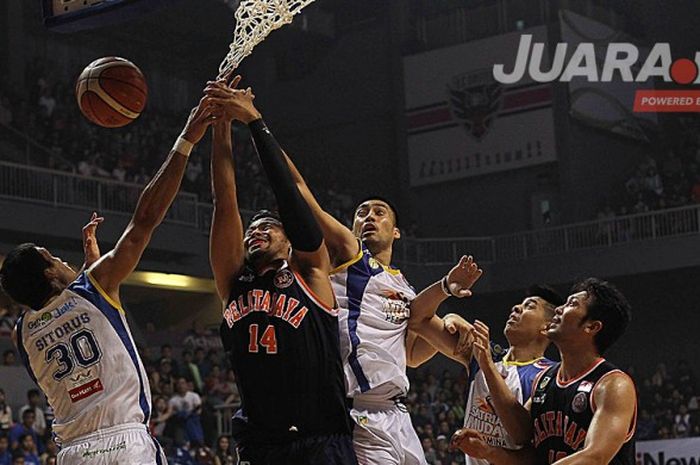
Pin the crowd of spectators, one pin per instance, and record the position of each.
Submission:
(48, 114)
(669, 180)
(669, 403)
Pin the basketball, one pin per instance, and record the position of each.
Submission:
(111, 92)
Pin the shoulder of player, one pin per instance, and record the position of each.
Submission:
(615, 385)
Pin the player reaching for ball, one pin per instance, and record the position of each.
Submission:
(280, 323)
(75, 340)
(377, 308)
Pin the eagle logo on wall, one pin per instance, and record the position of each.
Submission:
(475, 99)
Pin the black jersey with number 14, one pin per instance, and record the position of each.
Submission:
(284, 349)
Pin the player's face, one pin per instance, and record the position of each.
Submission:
(265, 238)
(527, 320)
(58, 270)
(375, 224)
(569, 321)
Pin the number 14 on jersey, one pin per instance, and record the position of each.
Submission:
(268, 339)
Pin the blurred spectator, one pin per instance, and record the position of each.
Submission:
(166, 353)
(34, 404)
(187, 406)
(223, 454)
(161, 414)
(29, 450)
(5, 454)
(8, 358)
(191, 370)
(5, 414)
(26, 427)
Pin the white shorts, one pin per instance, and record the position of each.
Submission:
(384, 434)
(119, 445)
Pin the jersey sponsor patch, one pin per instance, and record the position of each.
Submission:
(85, 390)
(49, 316)
(580, 402)
(283, 279)
(585, 386)
(544, 382)
(396, 307)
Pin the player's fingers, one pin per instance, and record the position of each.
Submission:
(235, 81)
(464, 293)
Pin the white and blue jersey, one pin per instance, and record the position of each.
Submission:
(80, 352)
(374, 302)
(480, 413)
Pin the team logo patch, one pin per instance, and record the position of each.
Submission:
(47, 317)
(363, 420)
(544, 382)
(585, 386)
(373, 263)
(475, 99)
(539, 399)
(580, 402)
(247, 277)
(85, 390)
(283, 278)
(396, 307)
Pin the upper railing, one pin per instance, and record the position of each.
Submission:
(674, 222)
(68, 190)
(29, 150)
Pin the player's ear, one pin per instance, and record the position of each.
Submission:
(397, 233)
(593, 327)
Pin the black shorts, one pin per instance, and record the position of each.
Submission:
(315, 450)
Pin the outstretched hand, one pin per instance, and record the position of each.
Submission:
(482, 345)
(233, 103)
(200, 118)
(463, 276)
(455, 324)
(91, 248)
(471, 442)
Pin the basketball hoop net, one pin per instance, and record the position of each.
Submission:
(255, 20)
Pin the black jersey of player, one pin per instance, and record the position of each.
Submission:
(284, 349)
(562, 413)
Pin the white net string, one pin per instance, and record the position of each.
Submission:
(255, 20)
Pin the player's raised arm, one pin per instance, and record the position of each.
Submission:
(152, 206)
(615, 401)
(308, 251)
(514, 416)
(226, 251)
(341, 242)
(425, 323)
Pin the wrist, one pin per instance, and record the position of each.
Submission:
(250, 118)
(183, 145)
(444, 285)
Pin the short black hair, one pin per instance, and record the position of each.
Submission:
(33, 392)
(264, 214)
(392, 207)
(609, 306)
(22, 276)
(545, 292)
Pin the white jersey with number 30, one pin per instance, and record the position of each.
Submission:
(80, 352)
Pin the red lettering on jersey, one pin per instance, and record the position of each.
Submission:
(251, 301)
(291, 305)
(296, 319)
(579, 439)
(570, 433)
(265, 304)
(540, 435)
(242, 308)
(257, 297)
(279, 305)
(549, 425)
(559, 429)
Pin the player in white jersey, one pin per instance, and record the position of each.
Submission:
(75, 340)
(518, 366)
(384, 325)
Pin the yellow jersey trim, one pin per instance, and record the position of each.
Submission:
(104, 294)
(521, 364)
(349, 263)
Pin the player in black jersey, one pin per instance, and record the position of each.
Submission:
(280, 322)
(582, 410)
